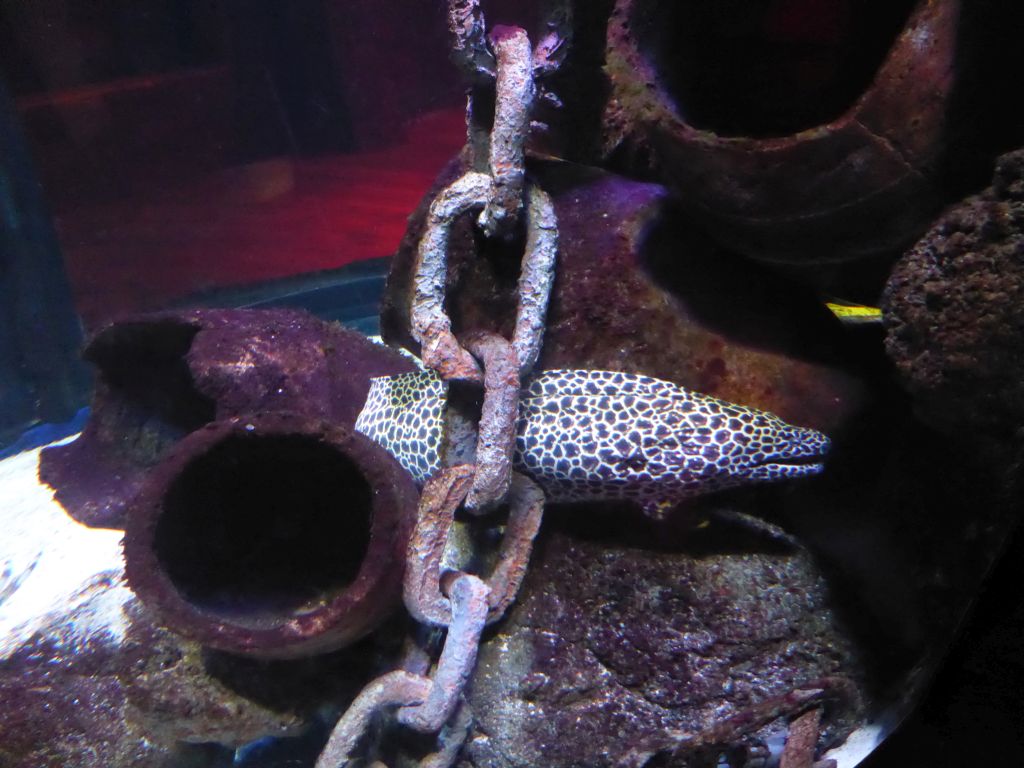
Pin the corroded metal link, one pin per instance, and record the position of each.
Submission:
(431, 326)
(526, 508)
(450, 739)
(500, 194)
(468, 595)
(469, 45)
(801, 741)
(536, 278)
(426, 703)
(442, 495)
(394, 688)
(496, 432)
(472, 55)
(514, 92)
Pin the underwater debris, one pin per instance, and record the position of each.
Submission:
(163, 375)
(802, 743)
(427, 572)
(500, 193)
(271, 535)
(426, 702)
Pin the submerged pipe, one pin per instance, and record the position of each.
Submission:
(274, 536)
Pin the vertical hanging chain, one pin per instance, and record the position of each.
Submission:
(464, 603)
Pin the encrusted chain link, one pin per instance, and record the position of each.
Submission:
(464, 603)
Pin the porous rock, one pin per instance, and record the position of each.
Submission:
(171, 697)
(623, 651)
(65, 706)
(954, 311)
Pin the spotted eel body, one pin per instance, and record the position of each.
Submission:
(604, 435)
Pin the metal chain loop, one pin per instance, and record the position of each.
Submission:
(431, 326)
(472, 55)
(425, 703)
(462, 602)
(442, 496)
(499, 194)
(468, 595)
(401, 688)
(514, 94)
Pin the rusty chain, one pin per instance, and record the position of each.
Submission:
(464, 603)
(442, 496)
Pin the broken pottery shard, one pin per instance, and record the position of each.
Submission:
(164, 375)
(835, 175)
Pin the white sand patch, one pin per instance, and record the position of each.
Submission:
(58, 578)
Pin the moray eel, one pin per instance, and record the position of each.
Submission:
(604, 435)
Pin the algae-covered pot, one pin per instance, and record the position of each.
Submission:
(162, 375)
(271, 535)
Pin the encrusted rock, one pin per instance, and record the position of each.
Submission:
(171, 697)
(637, 290)
(82, 727)
(628, 648)
(954, 310)
(66, 704)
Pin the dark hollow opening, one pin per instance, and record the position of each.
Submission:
(264, 527)
(151, 392)
(763, 68)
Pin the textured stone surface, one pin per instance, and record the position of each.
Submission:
(66, 706)
(954, 310)
(627, 646)
(81, 727)
(171, 696)
(638, 291)
(157, 701)
(161, 376)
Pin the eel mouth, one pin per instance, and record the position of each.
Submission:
(793, 467)
(803, 455)
(792, 461)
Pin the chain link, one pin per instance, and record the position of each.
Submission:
(424, 576)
